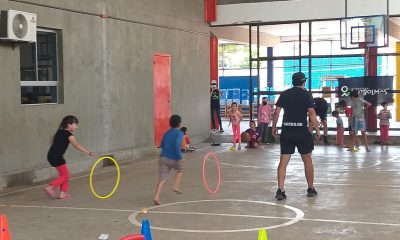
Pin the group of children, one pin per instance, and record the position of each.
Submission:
(253, 136)
(174, 142)
(356, 122)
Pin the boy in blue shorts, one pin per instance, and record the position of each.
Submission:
(171, 157)
(358, 105)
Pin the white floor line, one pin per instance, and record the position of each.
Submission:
(272, 217)
(298, 212)
(351, 222)
(87, 175)
(201, 213)
(68, 208)
(320, 184)
(219, 214)
(238, 165)
(319, 169)
(393, 158)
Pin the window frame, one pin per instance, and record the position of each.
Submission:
(38, 83)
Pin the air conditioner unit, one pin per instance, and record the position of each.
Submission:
(18, 26)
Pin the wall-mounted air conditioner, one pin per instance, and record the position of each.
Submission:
(18, 26)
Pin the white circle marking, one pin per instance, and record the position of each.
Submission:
(298, 217)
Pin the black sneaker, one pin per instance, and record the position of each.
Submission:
(280, 195)
(221, 130)
(311, 192)
(326, 141)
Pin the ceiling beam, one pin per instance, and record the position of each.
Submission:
(241, 35)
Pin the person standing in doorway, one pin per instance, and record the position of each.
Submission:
(296, 103)
(215, 106)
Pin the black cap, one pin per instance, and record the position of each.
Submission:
(298, 78)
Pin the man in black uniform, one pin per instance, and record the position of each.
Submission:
(321, 109)
(296, 103)
(215, 105)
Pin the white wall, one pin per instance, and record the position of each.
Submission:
(366, 7)
(301, 10)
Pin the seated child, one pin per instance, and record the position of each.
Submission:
(186, 141)
(252, 136)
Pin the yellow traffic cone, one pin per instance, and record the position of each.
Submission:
(262, 234)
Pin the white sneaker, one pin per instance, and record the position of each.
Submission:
(103, 236)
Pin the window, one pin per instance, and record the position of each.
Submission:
(40, 81)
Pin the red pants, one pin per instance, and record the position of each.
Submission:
(63, 178)
(384, 134)
(236, 133)
(340, 136)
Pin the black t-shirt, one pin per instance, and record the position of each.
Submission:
(295, 102)
(58, 148)
(215, 97)
(321, 105)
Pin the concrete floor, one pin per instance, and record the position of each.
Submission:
(358, 198)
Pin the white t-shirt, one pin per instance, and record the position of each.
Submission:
(357, 105)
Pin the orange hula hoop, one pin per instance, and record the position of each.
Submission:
(204, 173)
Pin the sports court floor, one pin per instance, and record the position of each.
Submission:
(358, 198)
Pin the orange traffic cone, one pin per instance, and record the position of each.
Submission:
(4, 232)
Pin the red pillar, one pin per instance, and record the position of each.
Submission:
(210, 10)
(371, 67)
(214, 58)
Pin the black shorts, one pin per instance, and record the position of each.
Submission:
(322, 113)
(302, 139)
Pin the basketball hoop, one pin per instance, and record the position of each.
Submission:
(364, 32)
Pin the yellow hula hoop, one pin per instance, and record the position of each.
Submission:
(91, 177)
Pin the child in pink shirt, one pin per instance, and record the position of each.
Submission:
(235, 118)
(264, 113)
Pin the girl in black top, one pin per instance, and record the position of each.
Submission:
(55, 156)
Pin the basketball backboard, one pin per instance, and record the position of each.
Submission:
(364, 32)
